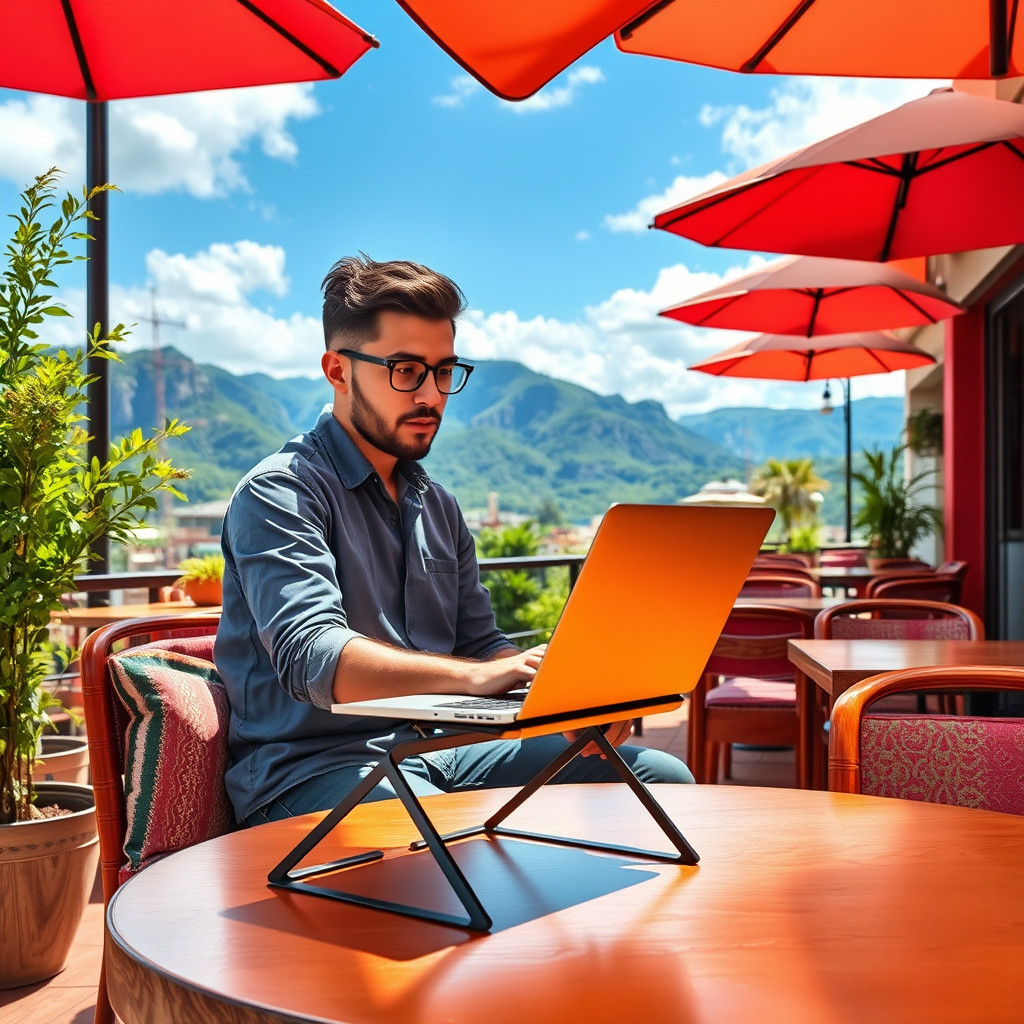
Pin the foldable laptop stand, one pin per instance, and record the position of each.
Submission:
(287, 876)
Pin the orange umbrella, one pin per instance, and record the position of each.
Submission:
(944, 173)
(870, 38)
(785, 357)
(810, 296)
(514, 47)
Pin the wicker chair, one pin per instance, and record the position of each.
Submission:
(918, 586)
(780, 584)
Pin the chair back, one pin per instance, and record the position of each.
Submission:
(755, 639)
(848, 558)
(900, 565)
(960, 759)
(122, 732)
(958, 569)
(779, 561)
(897, 619)
(779, 584)
(802, 572)
(918, 586)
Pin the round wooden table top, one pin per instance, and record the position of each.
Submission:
(806, 907)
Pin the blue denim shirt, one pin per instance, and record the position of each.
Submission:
(317, 553)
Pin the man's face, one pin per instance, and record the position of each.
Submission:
(402, 424)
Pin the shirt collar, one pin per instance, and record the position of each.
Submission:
(351, 464)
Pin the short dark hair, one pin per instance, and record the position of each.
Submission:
(356, 289)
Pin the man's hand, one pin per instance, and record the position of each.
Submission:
(616, 733)
(506, 671)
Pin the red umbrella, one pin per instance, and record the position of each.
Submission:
(100, 50)
(785, 357)
(810, 296)
(944, 173)
(870, 38)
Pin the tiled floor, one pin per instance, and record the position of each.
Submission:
(70, 997)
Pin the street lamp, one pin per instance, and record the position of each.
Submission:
(826, 408)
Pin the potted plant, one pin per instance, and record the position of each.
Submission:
(892, 513)
(924, 431)
(201, 579)
(54, 506)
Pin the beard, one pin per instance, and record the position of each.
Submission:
(372, 427)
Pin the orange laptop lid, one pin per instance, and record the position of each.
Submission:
(653, 595)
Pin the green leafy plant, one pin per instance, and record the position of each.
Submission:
(806, 537)
(202, 569)
(892, 513)
(924, 431)
(793, 488)
(54, 502)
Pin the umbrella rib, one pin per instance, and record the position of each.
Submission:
(906, 176)
(643, 17)
(899, 293)
(294, 40)
(817, 294)
(777, 36)
(878, 359)
(76, 41)
(998, 40)
(1013, 149)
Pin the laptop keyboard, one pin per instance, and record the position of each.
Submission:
(486, 703)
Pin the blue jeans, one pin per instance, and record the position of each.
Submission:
(480, 766)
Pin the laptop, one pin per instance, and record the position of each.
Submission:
(641, 621)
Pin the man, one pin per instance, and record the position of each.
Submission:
(350, 574)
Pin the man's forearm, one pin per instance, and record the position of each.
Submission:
(368, 669)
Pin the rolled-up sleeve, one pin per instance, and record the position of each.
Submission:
(277, 534)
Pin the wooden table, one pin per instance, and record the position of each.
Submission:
(809, 604)
(835, 665)
(93, 618)
(806, 907)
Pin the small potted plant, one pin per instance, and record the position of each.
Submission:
(892, 513)
(201, 579)
(924, 431)
(54, 506)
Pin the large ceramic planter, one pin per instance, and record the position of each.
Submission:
(47, 871)
(63, 759)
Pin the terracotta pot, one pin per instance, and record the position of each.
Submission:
(47, 871)
(202, 592)
(63, 759)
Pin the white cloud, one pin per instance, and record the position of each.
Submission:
(806, 110)
(582, 236)
(554, 96)
(462, 88)
(620, 346)
(188, 142)
(642, 214)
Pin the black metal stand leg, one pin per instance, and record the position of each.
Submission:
(286, 876)
(283, 877)
(593, 734)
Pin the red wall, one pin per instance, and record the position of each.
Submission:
(964, 448)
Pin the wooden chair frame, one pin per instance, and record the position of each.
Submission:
(105, 747)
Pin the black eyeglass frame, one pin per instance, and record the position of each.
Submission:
(427, 368)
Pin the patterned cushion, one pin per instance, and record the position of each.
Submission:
(743, 692)
(857, 628)
(175, 751)
(945, 759)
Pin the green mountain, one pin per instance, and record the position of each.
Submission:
(530, 438)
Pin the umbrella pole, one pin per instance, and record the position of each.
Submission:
(847, 423)
(96, 305)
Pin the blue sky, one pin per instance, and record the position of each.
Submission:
(234, 204)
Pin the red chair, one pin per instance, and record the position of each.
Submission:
(849, 558)
(958, 569)
(918, 586)
(156, 717)
(963, 760)
(779, 561)
(779, 585)
(900, 565)
(748, 692)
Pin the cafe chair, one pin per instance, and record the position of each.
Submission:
(954, 568)
(847, 559)
(900, 565)
(918, 586)
(779, 561)
(779, 584)
(897, 619)
(965, 760)
(748, 692)
(157, 718)
(802, 571)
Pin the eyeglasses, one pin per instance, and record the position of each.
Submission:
(409, 374)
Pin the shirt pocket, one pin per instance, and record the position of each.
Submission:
(433, 613)
(449, 565)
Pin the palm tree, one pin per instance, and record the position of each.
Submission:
(789, 486)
